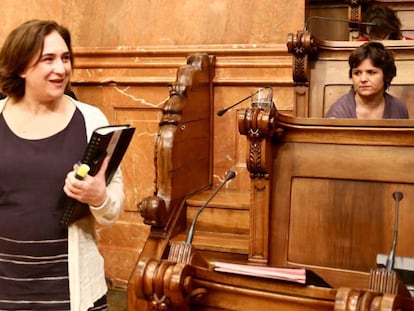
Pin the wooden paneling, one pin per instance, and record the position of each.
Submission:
(130, 24)
(326, 29)
(332, 205)
(333, 225)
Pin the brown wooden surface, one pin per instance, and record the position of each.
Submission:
(332, 205)
(131, 24)
(181, 287)
(130, 86)
(332, 219)
(184, 143)
(314, 184)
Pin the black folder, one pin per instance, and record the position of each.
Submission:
(110, 140)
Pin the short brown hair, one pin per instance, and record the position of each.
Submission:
(380, 57)
(19, 48)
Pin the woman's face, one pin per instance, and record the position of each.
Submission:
(47, 77)
(367, 79)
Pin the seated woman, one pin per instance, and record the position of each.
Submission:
(371, 68)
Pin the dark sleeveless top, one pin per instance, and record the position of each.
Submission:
(33, 247)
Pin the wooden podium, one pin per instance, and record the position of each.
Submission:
(321, 198)
(329, 185)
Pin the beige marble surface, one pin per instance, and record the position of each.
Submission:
(161, 22)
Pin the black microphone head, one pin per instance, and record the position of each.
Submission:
(230, 175)
(221, 112)
(224, 110)
(397, 195)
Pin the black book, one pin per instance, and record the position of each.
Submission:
(110, 140)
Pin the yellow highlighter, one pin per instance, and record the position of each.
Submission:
(82, 171)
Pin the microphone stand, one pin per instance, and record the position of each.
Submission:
(307, 23)
(391, 257)
(189, 240)
(387, 280)
(182, 252)
(224, 110)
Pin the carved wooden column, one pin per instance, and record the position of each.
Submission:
(301, 46)
(188, 109)
(350, 299)
(257, 125)
(196, 76)
(167, 286)
(355, 15)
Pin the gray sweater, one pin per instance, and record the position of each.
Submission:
(345, 107)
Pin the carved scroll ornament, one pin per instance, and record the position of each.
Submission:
(155, 209)
(195, 74)
(301, 46)
(349, 299)
(257, 124)
(166, 285)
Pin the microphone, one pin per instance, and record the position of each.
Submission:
(190, 234)
(224, 110)
(397, 195)
(335, 20)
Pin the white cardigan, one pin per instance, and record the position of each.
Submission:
(86, 266)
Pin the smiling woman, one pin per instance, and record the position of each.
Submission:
(371, 68)
(43, 132)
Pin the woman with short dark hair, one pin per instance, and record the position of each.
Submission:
(371, 68)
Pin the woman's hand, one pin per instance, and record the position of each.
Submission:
(91, 189)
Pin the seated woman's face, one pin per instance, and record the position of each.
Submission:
(367, 79)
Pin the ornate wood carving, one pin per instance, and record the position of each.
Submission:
(301, 46)
(387, 281)
(355, 15)
(286, 148)
(257, 125)
(172, 286)
(348, 299)
(303, 49)
(186, 122)
(166, 285)
(196, 75)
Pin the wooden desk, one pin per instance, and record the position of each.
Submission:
(331, 204)
(320, 198)
(330, 209)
